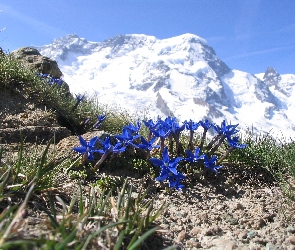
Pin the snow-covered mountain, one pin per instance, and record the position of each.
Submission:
(181, 76)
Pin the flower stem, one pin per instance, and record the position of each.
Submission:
(218, 144)
(225, 155)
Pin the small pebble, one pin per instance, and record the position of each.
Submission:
(291, 239)
(195, 231)
(242, 235)
(251, 234)
(192, 243)
(270, 246)
(181, 236)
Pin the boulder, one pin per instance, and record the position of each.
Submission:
(32, 58)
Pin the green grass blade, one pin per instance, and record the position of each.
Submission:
(120, 240)
(142, 238)
(100, 231)
(62, 245)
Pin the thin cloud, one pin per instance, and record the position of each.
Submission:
(32, 22)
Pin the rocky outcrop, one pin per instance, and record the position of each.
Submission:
(20, 116)
(162, 105)
(33, 59)
(271, 77)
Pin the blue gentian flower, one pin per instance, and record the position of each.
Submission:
(87, 148)
(56, 80)
(79, 98)
(127, 138)
(167, 123)
(150, 124)
(161, 133)
(226, 130)
(42, 75)
(174, 181)
(132, 128)
(194, 157)
(167, 166)
(100, 119)
(191, 126)
(234, 142)
(87, 120)
(118, 148)
(206, 124)
(108, 147)
(148, 145)
(210, 163)
(176, 128)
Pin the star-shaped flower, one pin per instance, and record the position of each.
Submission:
(226, 130)
(87, 147)
(194, 157)
(148, 145)
(167, 166)
(127, 138)
(210, 163)
(174, 181)
(234, 142)
(100, 119)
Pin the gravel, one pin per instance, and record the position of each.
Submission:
(243, 217)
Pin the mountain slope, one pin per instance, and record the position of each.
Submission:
(181, 76)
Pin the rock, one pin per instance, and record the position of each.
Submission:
(32, 58)
(181, 236)
(195, 231)
(239, 206)
(231, 219)
(271, 77)
(214, 230)
(162, 105)
(291, 229)
(224, 244)
(270, 246)
(242, 235)
(251, 234)
(193, 243)
(291, 239)
(260, 224)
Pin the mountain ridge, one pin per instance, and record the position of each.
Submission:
(180, 75)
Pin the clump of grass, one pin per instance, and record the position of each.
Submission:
(273, 154)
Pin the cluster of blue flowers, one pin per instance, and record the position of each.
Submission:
(166, 130)
(163, 130)
(49, 79)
